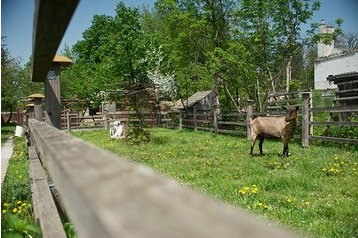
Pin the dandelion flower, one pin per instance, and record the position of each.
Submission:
(14, 210)
(289, 200)
(246, 188)
(18, 202)
(6, 204)
(242, 192)
(266, 207)
(4, 211)
(307, 203)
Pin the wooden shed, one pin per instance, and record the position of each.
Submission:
(200, 101)
(347, 88)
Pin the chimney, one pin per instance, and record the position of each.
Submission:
(323, 49)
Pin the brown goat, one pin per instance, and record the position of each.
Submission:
(274, 127)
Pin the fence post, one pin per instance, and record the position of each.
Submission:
(215, 119)
(68, 121)
(180, 120)
(195, 122)
(305, 118)
(248, 117)
(105, 113)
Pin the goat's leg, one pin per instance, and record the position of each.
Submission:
(285, 150)
(260, 144)
(253, 141)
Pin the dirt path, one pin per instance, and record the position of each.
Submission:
(6, 153)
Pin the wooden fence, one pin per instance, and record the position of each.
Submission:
(108, 196)
(236, 123)
(72, 121)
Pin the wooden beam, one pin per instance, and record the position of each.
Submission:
(109, 196)
(334, 139)
(51, 19)
(335, 109)
(45, 210)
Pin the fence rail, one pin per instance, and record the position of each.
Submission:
(226, 123)
(109, 196)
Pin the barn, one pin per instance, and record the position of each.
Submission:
(199, 101)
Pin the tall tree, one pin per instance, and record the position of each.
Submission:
(16, 82)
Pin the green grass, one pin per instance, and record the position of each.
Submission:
(16, 204)
(6, 132)
(314, 191)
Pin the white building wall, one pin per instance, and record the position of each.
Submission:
(332, 66)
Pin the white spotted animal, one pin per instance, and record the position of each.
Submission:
(117, 130)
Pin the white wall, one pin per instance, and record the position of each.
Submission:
(333, 66)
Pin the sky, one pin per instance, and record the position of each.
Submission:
(17, 20)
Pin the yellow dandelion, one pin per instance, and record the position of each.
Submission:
(246, 188)
(324, 169)
(242, 192)
(289, 200)
(307, 203)
(14, 210)
(266, 207)
(24, 204)
(18, 202)
(260, 204)
(6, 204)
(4, 211)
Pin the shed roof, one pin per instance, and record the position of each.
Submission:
(343, 77)
(36, 95)
(196, 97)
(62, 60)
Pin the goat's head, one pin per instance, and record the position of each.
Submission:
(117, 123)
(291, 113)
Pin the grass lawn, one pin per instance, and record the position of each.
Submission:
(6, 132)
(314, 191)
(17, 218)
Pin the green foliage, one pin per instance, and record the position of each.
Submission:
(239, 50)
(137, 135)
(15, 81)
(17, 217)
(294, 191)
(20, 228)
(111, 54)
(6, 132)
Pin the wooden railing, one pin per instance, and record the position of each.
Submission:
(108, 196)
(227, 123)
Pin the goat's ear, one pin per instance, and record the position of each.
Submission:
(283, 107)
(297, 108)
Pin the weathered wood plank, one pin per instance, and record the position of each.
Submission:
(347, 82)
(236, 123)
(335, 109)
(334, 123)
(50, 22)
(354, 90)
(232, 132)
(45, 210)
(334, 139)
(109, 196)
(346, 98)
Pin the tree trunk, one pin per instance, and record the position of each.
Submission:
(258, 94)
(288, 74)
